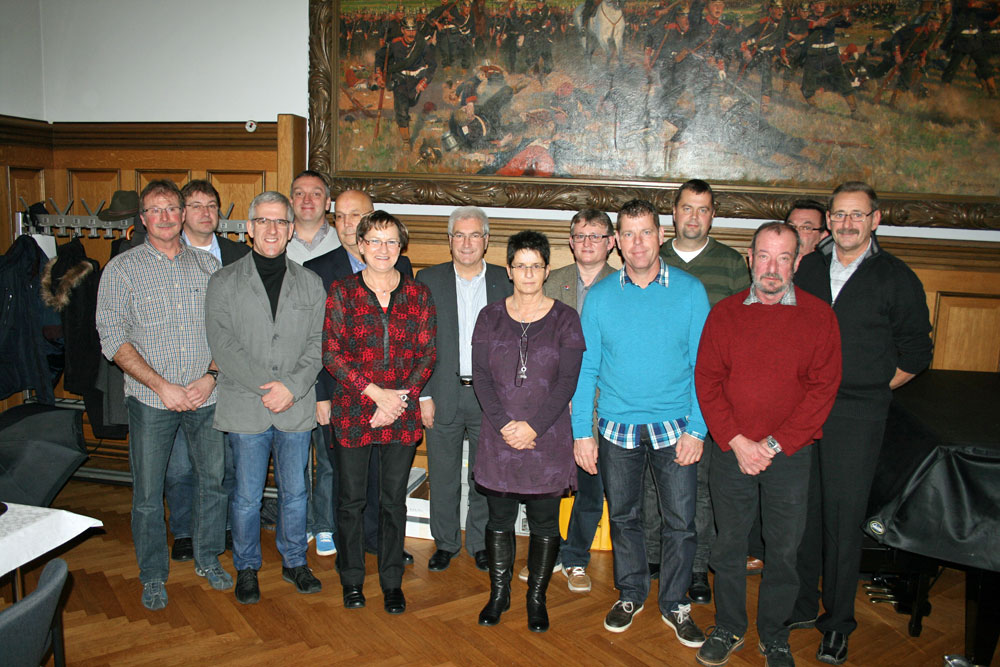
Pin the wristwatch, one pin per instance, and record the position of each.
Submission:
(214, 373)
(773, 444)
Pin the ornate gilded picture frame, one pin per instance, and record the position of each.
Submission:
(510, 104)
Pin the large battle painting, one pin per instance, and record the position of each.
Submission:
(900, 93)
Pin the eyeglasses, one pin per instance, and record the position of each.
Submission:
(156, 210)
(528, 267)
(280, 223)
(855, 216)
(806, 228)
(593, 238)
(474, 236)
(391, 244)
(198, 208)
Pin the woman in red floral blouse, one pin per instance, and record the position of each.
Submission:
(378, 343)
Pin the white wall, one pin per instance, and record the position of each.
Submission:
(149, 60)
(21, 59)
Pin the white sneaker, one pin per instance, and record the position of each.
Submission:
(325, 545)
(577, 579)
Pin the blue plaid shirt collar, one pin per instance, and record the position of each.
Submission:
(662, 277)
(787, 299)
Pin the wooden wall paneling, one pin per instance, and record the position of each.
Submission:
(21, 183)
(144, 177)
(291, 150)
(91, 186)
(965, 337)
(239, 188)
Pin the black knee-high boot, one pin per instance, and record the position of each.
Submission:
(500, 552)
(542, 554)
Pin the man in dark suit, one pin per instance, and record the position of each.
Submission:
(448, 406)
(348, 209)
(591, 238)
(201, 219)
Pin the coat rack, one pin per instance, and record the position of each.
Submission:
(62, 224)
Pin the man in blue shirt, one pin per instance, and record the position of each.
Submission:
(642, 329)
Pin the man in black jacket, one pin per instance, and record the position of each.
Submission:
(885, 339)
(348, 209)
(201, 220)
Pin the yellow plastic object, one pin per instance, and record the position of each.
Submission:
(602, 538)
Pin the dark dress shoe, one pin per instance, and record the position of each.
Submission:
(833, 648)
(407, 557)
(247, 589)
(482, 562)
(440, 560)
(354, 598)
(183, 549)
(303, 579)
(700, 592)
(654, 570)
(394, 601)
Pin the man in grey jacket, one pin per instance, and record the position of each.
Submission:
(265, 329)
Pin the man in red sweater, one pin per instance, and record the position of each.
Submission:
(767, 374)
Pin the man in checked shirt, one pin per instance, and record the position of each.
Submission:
(151, 318)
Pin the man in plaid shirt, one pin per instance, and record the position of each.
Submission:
(151, 318)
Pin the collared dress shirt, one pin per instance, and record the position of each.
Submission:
(158, 305)
(471, 299)
(839, 274)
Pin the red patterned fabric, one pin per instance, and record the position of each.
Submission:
(355, 354)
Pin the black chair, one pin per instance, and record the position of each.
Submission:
(32, 624)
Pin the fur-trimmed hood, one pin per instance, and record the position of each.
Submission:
(67, 271)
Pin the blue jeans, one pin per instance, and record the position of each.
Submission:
(151, 438)
(676, 486)
(251, 452)
(588, 507)
(180, 484)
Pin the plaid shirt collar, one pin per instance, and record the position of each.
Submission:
(662, 277)
(152, 249)
(787, 299)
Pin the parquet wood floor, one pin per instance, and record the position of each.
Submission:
(105, 624)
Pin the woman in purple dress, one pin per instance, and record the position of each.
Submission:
(526, 353)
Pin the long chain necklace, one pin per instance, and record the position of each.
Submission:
(522, 348)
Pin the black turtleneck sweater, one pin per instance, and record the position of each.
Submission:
(272, 272)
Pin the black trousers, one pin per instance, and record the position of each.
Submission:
(394, 472)
(543, 515)
(781, 489)
(848, 454)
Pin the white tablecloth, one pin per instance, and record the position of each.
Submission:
(27, 532)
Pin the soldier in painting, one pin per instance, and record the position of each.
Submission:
(906, 54)
(708, 47)
(406, 69)
(462, 37)
(965, 39)
(760, 44)
(510, 35)
(538, 37)
(823, 68)
(439, 29)
(794, 45)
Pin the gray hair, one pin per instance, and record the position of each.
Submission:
(271, 197)
(465, 213)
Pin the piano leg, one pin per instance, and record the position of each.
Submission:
(982, 614)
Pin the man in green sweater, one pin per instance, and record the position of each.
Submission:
(723, 272)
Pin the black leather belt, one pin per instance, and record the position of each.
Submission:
(465, 380)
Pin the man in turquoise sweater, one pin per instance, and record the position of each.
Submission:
(642, 328)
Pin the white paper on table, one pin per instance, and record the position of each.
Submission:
(27, 532)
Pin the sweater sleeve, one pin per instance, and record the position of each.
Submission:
(710, 374)
(482, 378)
(910, 321)
(586, 385)
(696, 426)
(336, 341)
(562, 390)
(820, 384)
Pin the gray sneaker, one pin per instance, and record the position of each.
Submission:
(718, 647)
(218, 578)
(776, 654)
(621, 615)
(154, 595)
(684, 627)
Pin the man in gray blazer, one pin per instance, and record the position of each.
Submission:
(448, 406)
(591, 238)
(264, 321)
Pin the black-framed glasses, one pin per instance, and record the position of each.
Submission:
(593, 238)
(855, 216)
(280, 223)
(198, 208)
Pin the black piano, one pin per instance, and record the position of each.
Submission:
(936, 500)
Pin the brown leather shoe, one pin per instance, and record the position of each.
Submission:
(754, 565)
